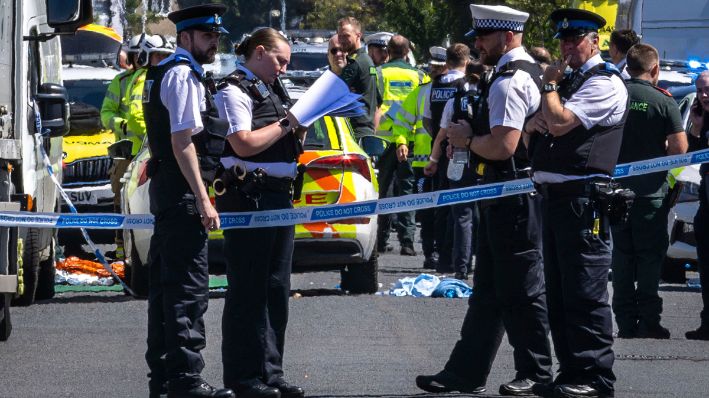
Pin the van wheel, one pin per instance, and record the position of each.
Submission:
(30, 267)
(362, 278)
(139, 274)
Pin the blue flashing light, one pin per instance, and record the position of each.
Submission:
(694, 64)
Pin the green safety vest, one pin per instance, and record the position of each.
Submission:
(408, 125)
(135, 130)
(399, 79)
(113, 110)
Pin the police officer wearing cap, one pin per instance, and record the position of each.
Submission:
(173, 99)
(574, 145)
(508, 280)
(260, 168)
(377, 47)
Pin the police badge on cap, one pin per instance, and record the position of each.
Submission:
(206, 17)
(575, 22)
(488, 19)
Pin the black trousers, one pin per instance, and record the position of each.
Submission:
(465, 220)
(256, 305)
(508, 295)
(443, 221)
(576, 262)
(178, 295)
(426, 216)
(389, 168)
(701, 233)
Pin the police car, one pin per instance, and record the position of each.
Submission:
(338, 171)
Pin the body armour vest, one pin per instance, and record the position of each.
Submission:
(473, 107)
(440, 94)
(269, 106)
(581, 151)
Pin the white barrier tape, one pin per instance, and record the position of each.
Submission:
(334, 212)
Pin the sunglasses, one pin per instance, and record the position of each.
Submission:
(334, 51)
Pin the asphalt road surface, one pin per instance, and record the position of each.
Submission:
(92, 345)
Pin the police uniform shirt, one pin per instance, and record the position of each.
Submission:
(447, 78)
(183, 94)
(622, 68)
(512, 99)
(236, 106)
(601, 100)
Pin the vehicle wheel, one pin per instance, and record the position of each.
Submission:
(46, 276)
(30, 267)
(673, 271)
(362, 278)
(139, 273)
(5, 323)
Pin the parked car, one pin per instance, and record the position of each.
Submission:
(337, 171)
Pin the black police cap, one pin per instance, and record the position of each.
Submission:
(575, 22)
(205, 17)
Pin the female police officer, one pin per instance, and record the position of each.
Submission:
(260, 165)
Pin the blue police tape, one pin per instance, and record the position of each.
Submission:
(301, 215)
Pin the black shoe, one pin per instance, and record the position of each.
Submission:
(385, 248)
(653, 332)
(543, 390)
(440, 383)
(258, 390)
(407, 251)
(157, 389)
(431, 261)
(288, 390)
(579, 391)
(517, 387)
(463, 276)
(202, 390)
(702, 333)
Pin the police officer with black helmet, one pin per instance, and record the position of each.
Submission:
(260, 172)
(574, 145)
(508, 279)
(173, 101)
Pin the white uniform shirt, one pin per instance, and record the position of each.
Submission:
(236, 106)
(183, 94)
(601, 100)
(447, 78)
(622, 67)
(513, 99)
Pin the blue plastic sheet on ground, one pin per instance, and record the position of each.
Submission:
(427, 285)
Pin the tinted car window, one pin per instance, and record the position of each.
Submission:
(87, 91)
(317, 137)
(307, 61)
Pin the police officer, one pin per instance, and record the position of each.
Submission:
(508, 277)
(699, 131)
(443, 88)
(574, 146)
(653, 129)
(399, 79)
(377, 47)
(179, 279)
(260, 168)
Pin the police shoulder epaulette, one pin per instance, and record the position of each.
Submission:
(608, 69)
(662, 90)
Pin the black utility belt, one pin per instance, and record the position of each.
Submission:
(568, 188)
(607, 196)
(251, 180)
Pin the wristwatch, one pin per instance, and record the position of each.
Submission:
(285, 123)
(549, 87)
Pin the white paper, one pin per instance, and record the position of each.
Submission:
(329, 93)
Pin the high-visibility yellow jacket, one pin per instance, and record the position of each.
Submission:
(113, 111)
(399, 79)
(408, 124)
(135, 127)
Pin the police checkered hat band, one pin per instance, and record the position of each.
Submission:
(492, 18)
(438, 55)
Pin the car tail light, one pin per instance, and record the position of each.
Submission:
(143, 173)
(348, 161)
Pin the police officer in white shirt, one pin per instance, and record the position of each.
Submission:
(180, 167)
(574, 145)
(508, 276)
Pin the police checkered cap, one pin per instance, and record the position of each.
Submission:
(378, 39)
(491, 18)
(438, 55)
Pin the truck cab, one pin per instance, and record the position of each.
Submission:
(33, 117)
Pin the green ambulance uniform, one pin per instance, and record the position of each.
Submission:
(639, 245)
(361, 77)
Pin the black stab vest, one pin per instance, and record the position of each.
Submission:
(268, 107)
(439, 95)
(581, 151)
(473, 107)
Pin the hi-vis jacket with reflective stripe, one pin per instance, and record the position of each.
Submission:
(399, 79)
(135, 128)
(113, 109)
(408, 124)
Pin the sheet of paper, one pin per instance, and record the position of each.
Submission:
(327, 93)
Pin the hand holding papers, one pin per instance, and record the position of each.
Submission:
(329, 95)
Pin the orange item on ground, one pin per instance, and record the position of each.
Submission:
(76, 265)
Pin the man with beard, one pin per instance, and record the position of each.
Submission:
(361, 77)
(509, 293)
(377, 47)
(173, 99)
